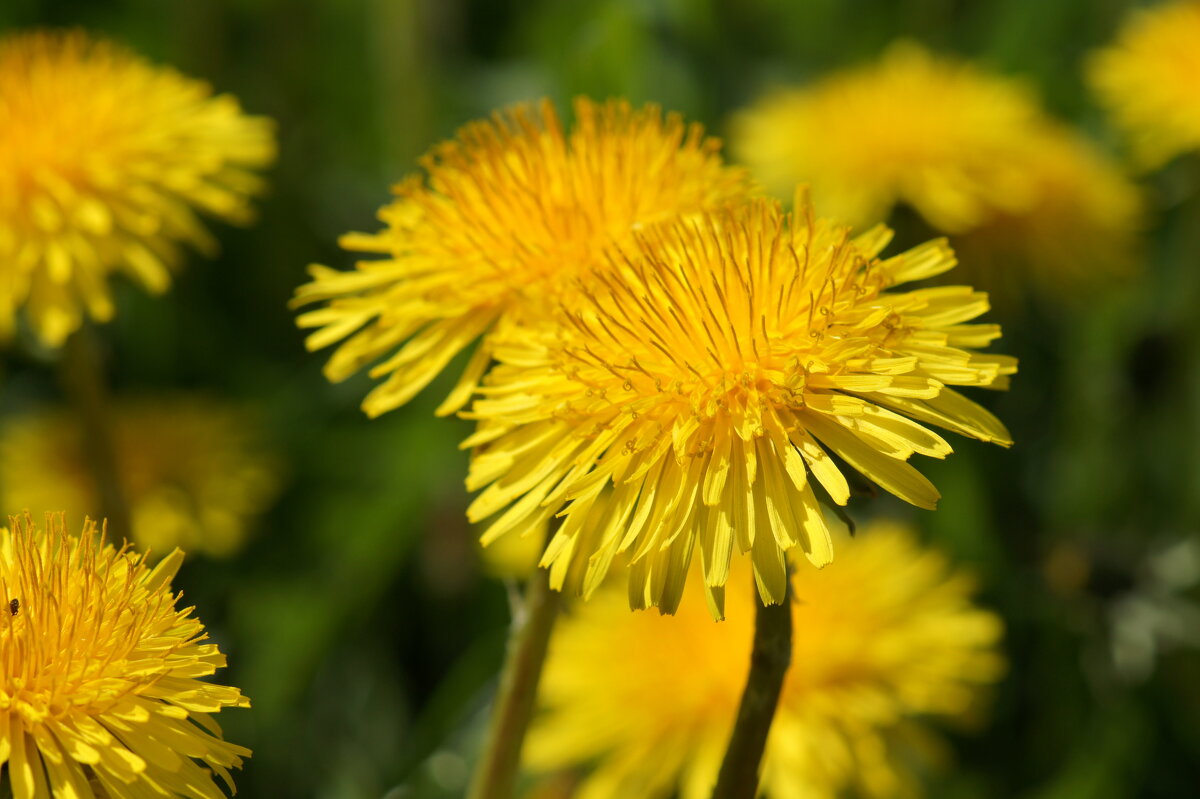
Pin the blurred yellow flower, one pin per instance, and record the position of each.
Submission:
(100, 693)
(912, 128)
(1149, 80)
(882, 637)
(971, 152)
(195, 472)
(688, 403)
(1082, 232)
(506, 216)
(103, 160)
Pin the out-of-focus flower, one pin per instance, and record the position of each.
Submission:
(1149, 80)
(104, 159)
(195, 472)
(884, 636)
(695, 400)
(100, 689)
(507, 216)
(1081, 232)
(971, 152)
(871, 137)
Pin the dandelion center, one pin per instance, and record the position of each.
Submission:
(740, 328)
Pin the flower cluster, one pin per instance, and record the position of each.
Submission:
(663, 366)
(106, 163)
(104, 160)
(680, 367)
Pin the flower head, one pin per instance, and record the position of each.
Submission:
(507, 215)
(971, 152)
(104, 160)
(100, 693)
(882, 637)
(193, 471)
(696, 398)
(871, 137)
(1082, 231)
(1149, 80)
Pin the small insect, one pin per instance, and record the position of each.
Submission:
(14, 606)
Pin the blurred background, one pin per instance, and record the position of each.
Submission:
(350, 595)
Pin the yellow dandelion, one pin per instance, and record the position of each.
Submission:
(1082, 232)
(506, 215)
(697, 399)
(972, 152)
(885, 639)
(104, 160)
(912, 128)
(1149, 80)
(194, 471)
(100, 693)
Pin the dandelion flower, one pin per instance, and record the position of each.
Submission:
(194, 471)
(973, 153)
(104, 160)
(884, 640)
(1149, 80)
(506, 216)
(697, 399)
(100, 693)
(871, 137)
(1082, 233)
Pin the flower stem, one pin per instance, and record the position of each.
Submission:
(83, 381)
(496, 775)
(769, 661)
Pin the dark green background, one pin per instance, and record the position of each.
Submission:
(358, 619)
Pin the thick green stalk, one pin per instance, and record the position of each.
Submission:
(769, 661)
(496, 775)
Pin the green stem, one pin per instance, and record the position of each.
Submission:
(83, 381)
(769, 661)
(496, 775)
